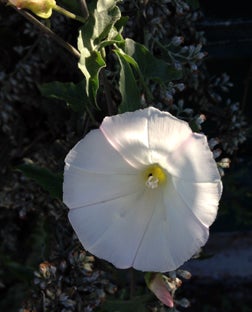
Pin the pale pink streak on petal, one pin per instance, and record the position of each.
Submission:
(193, 161)
(159, 288)
(142, 135)
(128, 134)
(94, 154)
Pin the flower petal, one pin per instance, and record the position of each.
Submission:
(193, 161)
(141, 135)
(185, 233)
(112, 230)
(173, 235)
(94, 154)
(95, 172)
(82, 188)
(166, 132)
(128, 134)
(201, 198)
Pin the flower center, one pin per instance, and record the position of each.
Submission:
(154, 176)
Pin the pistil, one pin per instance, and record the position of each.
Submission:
(154, 176)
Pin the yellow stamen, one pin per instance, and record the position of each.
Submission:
(154, 176)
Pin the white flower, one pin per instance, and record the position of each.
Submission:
(142, 190)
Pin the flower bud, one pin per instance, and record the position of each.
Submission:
(180, 86)
(111, 289)
(184, 303)
(47, 270)
(172, 284)
(224, 163)
(158, 286)
(177, 40)
(42, 8)
(201, 55)
(199, 120)
(184, 273)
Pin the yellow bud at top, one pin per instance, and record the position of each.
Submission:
(42, 8)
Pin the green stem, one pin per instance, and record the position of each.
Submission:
(84, 8)
(107, 91)
(69, 14)
(132, 283)
(50, 33)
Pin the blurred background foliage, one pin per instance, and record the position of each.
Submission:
(210, 43)
(228, 29)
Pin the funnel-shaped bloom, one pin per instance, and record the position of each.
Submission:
(42, 8)
(142, 190)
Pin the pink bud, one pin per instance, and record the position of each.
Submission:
(157, 285)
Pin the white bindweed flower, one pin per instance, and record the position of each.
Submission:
(142, 190)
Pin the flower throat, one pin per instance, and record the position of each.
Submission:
(154, 176)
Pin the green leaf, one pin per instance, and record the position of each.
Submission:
(49, 181)
(121, 23)
(136, 304)
(73, 94)
(98, 32)
(194, 126)
(91, 64)
(127, 85)
(12, 296)
(39, 240)
(150, 66)
(16, 270)
(106, 16)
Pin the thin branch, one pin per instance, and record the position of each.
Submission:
(84, 8)
(107, 91)
(49, 32)
(69, 14)
(132, 283)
